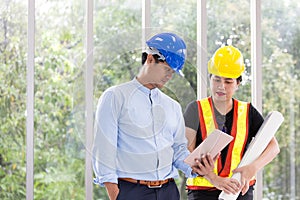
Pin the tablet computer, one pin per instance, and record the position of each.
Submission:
(213, 144)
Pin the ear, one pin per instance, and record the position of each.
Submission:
(150, 59)
(237, 86)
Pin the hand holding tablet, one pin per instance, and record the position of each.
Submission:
(213, 144)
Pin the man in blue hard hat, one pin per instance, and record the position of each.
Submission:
(139, 131)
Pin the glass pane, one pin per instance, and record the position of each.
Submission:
(13, 48)
(281, 40)
(117, 52)
(179, 17)
(229, 24)
(59, 152)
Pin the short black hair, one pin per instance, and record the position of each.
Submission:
(144, 58)
(239, 79)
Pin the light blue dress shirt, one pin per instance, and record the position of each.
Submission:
(139, 134)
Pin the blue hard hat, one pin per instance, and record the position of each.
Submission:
(172, 47)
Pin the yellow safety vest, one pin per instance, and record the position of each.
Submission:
(236, 148)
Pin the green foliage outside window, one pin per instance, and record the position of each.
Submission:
(59, 157)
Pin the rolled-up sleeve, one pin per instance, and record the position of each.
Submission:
(105, 140)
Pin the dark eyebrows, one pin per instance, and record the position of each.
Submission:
(229, 79)
(225, 79)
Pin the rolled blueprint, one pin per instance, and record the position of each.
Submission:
(258, 144)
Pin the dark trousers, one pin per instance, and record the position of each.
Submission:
(214, 194)
(132, 191)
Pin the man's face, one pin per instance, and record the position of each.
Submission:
(223, 88)
(161, 73)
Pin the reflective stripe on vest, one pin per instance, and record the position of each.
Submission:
(236, 147)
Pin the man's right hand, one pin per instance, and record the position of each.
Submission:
(204, 166)
(112, 190)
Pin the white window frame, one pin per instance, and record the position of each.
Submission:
(256, 60)
(30, 100)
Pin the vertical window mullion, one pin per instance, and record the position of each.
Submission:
(89, 88)
(30, 102)
(256, 60)
(146, 21)
(201, 49)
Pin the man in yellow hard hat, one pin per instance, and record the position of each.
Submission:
(239, 119)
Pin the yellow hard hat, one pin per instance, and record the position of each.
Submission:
(227, 62)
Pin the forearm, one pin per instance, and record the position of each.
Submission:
(249, 171)
(267, 156)
(190, 135)
(112, 190)
(211, 177)
(180, 153)
(228, 185)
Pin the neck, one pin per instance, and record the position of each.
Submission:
(144, 82)
(223, 107)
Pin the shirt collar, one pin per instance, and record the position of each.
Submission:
(145, 89)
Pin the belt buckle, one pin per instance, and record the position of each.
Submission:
(154, 186)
